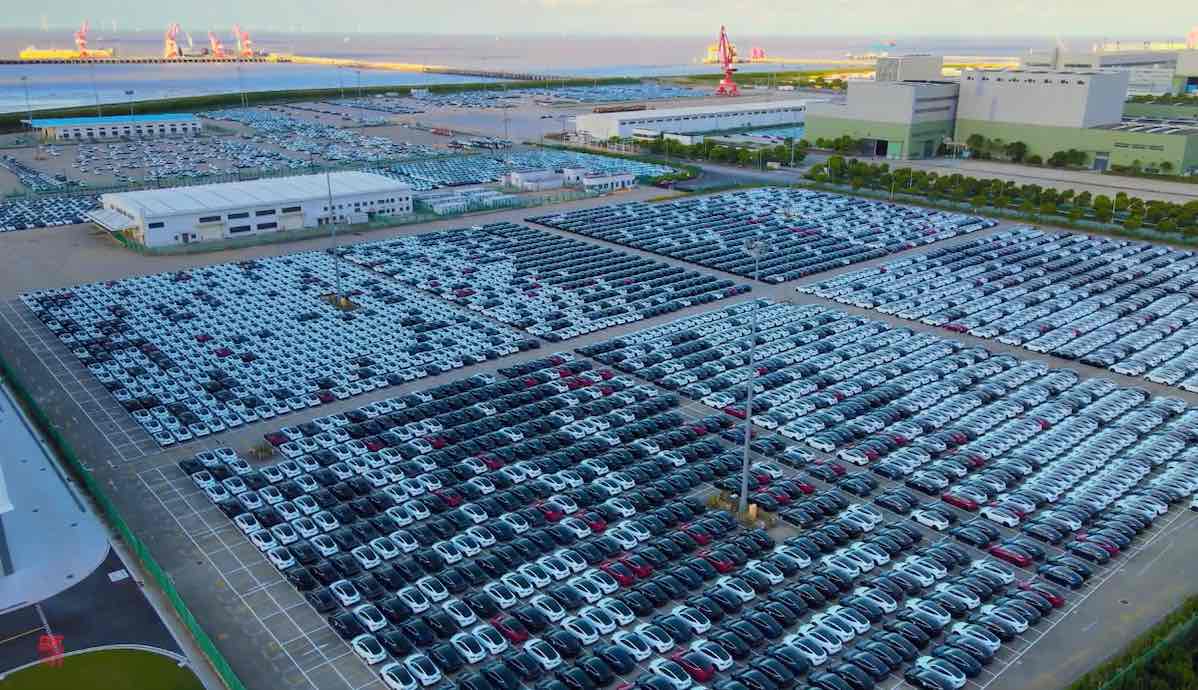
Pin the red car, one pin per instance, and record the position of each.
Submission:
(701, 536)
(697, 665)
(550, 511)
(594, 521)
(621, 573)
(493, 463)
(452, 498)
(510, 628)
(1047, 591)
(607, 374)
(639, 566)
(959, 501)
(722, 564)
(735, 412)
(276, 438)
(1009, 556)
(1104, 544)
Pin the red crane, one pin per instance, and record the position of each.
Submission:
(215, 46)
(81, 39)
(727, 86)
(245, 48)
(170, 43)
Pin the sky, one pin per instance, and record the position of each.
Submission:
(1116, 18)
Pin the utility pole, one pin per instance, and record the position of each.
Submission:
(95, 91)
(756, 247)
(28, 104)
(337, 296)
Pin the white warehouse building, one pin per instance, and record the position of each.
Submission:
(708, 118)
(206, 213)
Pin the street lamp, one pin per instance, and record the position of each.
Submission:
(28, 103)
(129, 93)
(95, 90)
(756, 247)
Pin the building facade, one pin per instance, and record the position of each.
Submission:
(117, 127)
(712, 118)
(206, 213)
(896, 119)
(1045, 98)
(910, 68)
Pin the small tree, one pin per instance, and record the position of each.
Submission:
(1167, 225)
(976, 142)
(1076, 213)
(1166, 167)
(1133, 222)
(1016, 151)
(1035, 160)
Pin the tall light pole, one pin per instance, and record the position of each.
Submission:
(328, 178)
(95, 90)
(756, 247)
(241, 86)
(794, 129)
(28, 104)
(129, 93)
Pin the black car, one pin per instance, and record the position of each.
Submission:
(958, 657)
(523, 664)
(575, 678)
(616, 657)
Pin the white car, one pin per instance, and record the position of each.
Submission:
(459, 612)
(811, 647)
(518, 584)
(502, 594)
(345, 592)
(1002, 517)
(470, 648)
(398, 677)
(655, 637)
(368, 648)
(432, 588)
(618, 610)
(929, 519)
(698, 622)
(370, 617)
(582, 628)
(672, 672)
(549, 606)
(422, 669)
(634, 644)
(978, 634)
(715, 653)
(601, 619)
(545, 655)
(738, 586)
(490, 638)
(281, 557)
(414, 598)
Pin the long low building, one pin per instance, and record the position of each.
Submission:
(206, 213)
(116, 127)
(709, 118)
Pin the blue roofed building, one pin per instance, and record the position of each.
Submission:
(116, 127)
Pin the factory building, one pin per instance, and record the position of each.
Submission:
(1151, 72)
(206, 213)
(909, 68)
(116, 127)
(897, 119)
(1046, 98)
(1048, 111)
(710, 118)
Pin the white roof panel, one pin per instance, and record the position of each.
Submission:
(264, 192)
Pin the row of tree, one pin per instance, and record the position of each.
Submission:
(1017, 152)
(1167, 99)
(1031, 199)
(758, 156)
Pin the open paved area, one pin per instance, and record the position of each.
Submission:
(272, 636)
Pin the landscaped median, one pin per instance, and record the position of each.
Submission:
(1153, 220)
(109, 669)
(1161, 658)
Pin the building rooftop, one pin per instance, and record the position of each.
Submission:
(109, 120)
(700, 110)
(1155, 125)
(265, 192)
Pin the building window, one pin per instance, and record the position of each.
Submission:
(240, 228)
(237, 216)
(209, 219)
(155, 226)
(268, 226)
(266, 212)
(293, 209)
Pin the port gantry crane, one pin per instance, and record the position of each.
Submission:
(216, 47)
(727, 54)
(81, 39)
(170, 43)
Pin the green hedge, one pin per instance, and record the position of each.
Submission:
(1164, 657)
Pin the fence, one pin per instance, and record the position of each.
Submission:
(109, 510)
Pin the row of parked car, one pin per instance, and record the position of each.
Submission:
(551, 286)
(28, 213)
(1127, 306)
(196, 352)
(804, 232)
(666, 583)
(1074, 469)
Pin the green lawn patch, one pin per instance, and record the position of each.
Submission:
(118, 669)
